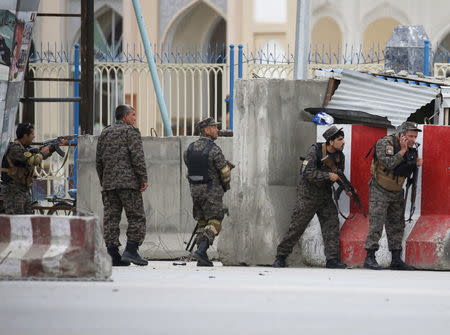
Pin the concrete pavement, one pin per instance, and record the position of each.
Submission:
(167, 299)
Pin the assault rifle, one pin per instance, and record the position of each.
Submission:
(190, 245)
(54, 143)
(411, 182)
(344, 185)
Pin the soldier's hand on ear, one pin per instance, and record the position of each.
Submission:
(403, 143)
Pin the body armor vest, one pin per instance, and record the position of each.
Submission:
(387, 178)
(198, 164)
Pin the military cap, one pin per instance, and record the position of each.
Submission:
(330, 132)
(206, 122)
(408, 125)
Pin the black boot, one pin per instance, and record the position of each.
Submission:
(280, 262)
(335, 263)
(131, 254)
(116, 258)
(200, 254)
(397, 263)
(371, 262)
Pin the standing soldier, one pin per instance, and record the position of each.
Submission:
(18, 168)
(395, 158)
(209, 175)
(121, 169)
(314, 196)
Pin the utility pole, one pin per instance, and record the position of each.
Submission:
(302, 32)
(87, 67)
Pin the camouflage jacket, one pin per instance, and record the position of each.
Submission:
(387, 152)
(314, 176)
(216, 161)
(23, 160)
(120, 159)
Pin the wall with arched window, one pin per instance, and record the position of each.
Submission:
(326, 37)
(377, 33)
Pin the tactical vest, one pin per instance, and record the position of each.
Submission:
(198, 164)
(387, 178)
(22, 175)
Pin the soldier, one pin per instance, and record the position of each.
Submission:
(394, 159)
(122, 172)
(314, 196)
(17, 170)
(209, 175)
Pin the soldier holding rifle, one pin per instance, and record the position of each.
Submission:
(209, 175)
(17, 169)
(314, 196)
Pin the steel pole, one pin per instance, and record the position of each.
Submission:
(152, 67)
(426, 58)
(87, 67)
(76, 111)
(302, 39)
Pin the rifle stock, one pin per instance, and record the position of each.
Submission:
(190, 244)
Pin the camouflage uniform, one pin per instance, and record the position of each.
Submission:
(314, 196)
(121, 169)
(386, 207)
(207, 197)
(17, 177)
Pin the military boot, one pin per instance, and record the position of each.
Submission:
(397, 263)
(280, 262)
(371, 262)
(116, 258)
(335, 263)
(131, 254)
(200, 254)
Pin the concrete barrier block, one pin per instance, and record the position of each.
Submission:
(428, 245)
(269, 137)
(52, 247)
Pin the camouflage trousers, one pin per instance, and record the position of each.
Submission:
(208, 212)
(114, 201)
(17, 199)
(385, 208)
(304, 211)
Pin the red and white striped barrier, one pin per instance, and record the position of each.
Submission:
(427, 238)
(52, 246)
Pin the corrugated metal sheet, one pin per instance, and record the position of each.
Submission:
(396, 101)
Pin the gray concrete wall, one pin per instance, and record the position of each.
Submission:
(168, 205)
(271, 132)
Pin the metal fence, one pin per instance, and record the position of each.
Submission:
(195, 85)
